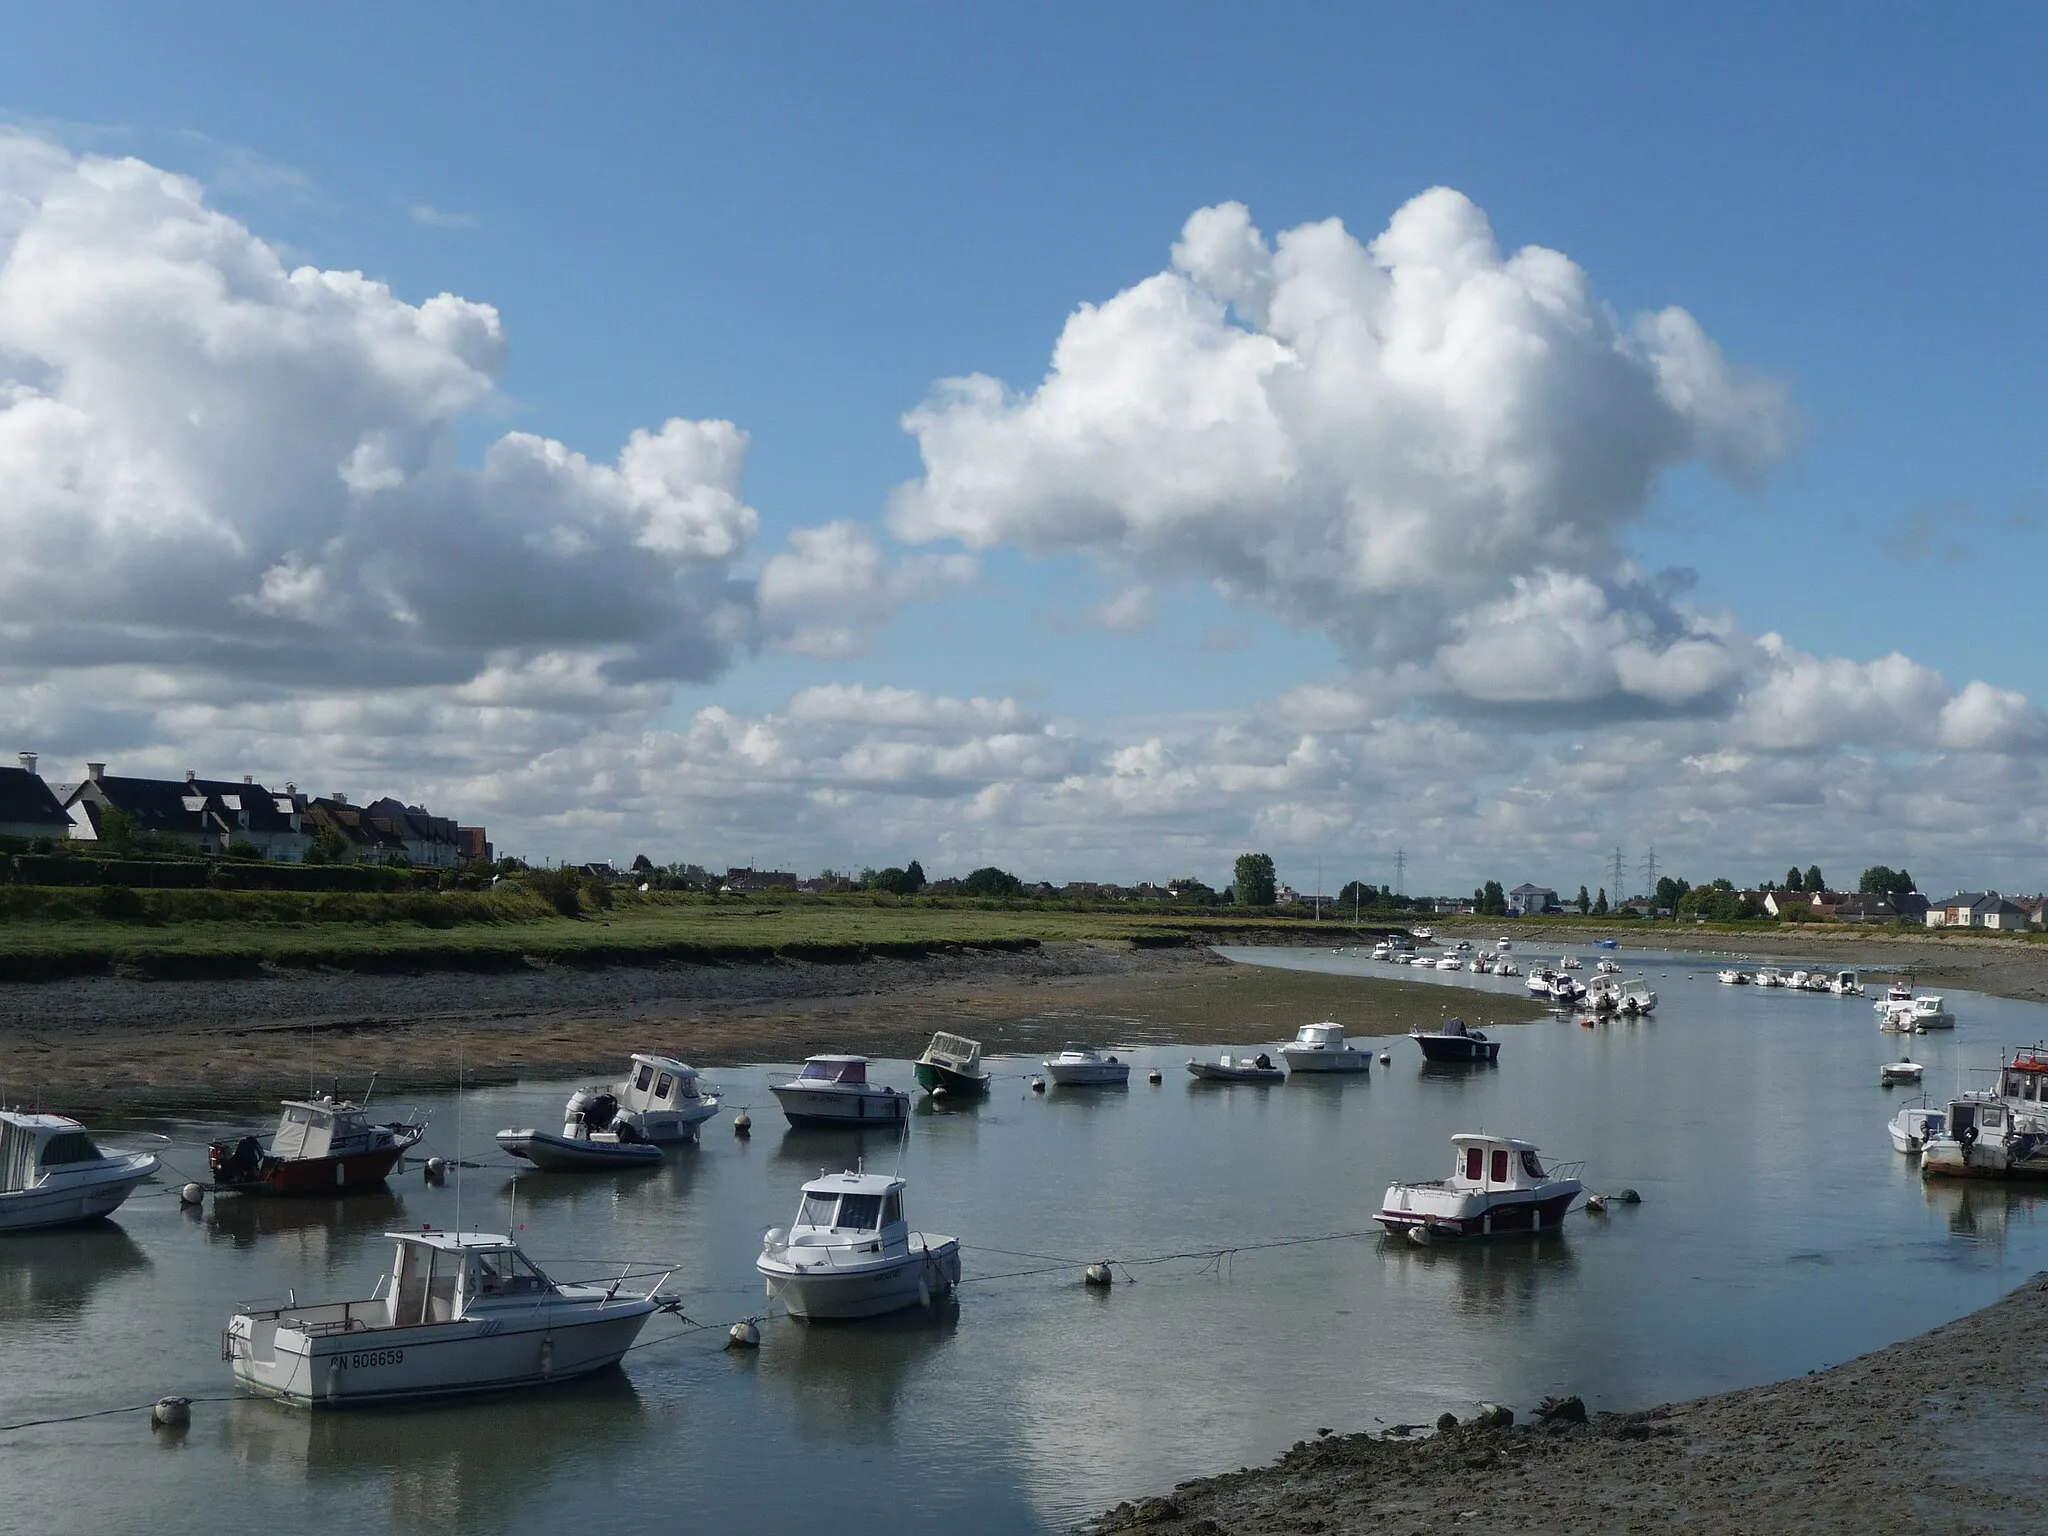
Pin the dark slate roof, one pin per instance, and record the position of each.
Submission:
(158, 805)
(260, 803)
(25, 800)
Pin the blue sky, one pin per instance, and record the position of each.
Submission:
(798, 220)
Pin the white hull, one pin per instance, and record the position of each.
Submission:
(824, 1107)
(1345, 1060)
(831, 1290)
(1094, 1074)
(671, 1127)
(493, 1353)
(64, 1199)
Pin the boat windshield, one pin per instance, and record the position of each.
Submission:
(507, 1274)
(835, 1071)
(860, 1213)
(1530, 1166)
(69, 1147)
(817, 1210)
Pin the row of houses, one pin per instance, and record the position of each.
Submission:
(216, 816)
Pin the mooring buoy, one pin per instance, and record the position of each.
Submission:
(171, 1412)
(743, 1335)
(435, 1171)
(742, 1124)
(1099, 1275)
(191, 1194)
(1153, 1076)
(1038, 1085)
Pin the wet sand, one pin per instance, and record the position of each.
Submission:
(109, 1041)
(1942, 1433)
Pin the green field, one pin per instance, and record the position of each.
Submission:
(51, 933)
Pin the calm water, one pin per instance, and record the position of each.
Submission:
(1778, 1232)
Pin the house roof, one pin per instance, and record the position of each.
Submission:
(158, 805)
(261, 806)
(26, 800)
(1526, 889)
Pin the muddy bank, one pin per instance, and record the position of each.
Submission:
(94, 1041)
(1939, 1434)
(2003, 967)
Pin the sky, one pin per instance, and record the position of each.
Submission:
(1097, 443)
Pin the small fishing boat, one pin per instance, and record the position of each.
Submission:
(1605, 967)
(1736, 978)
(1912, 1126)
(1565, 992)
(459, 1312)
(1450, 963)
(1082, 1066)
(1453, 1042)
(1846, 984)
(835, 1091)
(1570, 963)
(1637, 1000)
(1986, 1137)
(1930, 1012)
(659, 1101)
(1797, 980)
(1240, 1069)
(1497, 1185)
(1503, 943)
(1904, 1070)
(1507, 967)
(322, 1146)
(52, 1173)
(1603, 995)
(1321, 1048)
(1383, 951)
(1607, 943)
(851, 1254)
(579, 1149)
(1899, 992)
(1539, 981)
(1770, 976)
(1896, 1019)
(951, 1064)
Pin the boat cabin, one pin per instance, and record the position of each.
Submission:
(850, 1208)
(1495, 1163)
(1320, 1037)
(440, 1277)
(658, 1083)
(956, 1053)
(2025, 1077)
(34, 1146)
(823, 1071)
(319, 1128)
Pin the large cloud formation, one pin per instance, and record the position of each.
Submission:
(214, 460)
(1412, 444)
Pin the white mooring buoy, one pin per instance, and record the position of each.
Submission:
(1038, 1085)
(1153, 1076)
(436, 1170)
(1386, 1058)
(191, 1194)
(1099, 1274)
(742, 1124)
(743, 1335)
(171, 1412)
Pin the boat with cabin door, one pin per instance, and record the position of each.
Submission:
(1498, 1185)
(1899, 992)
(52, 1173)
(835, 1091)
(457, 1313)
(322, 1146)
(1797, 980)
(1770, 976)
(1930, 1012)
(1507, 967)
(1082, 1066)
(1226, 1068)
(1637, 1000)
(1846, 984)
(1538, 984)
(1383, 951)
(1911, 1126)
(851, 1254)
(1987, 1137)
(1603, 995)
(1570, 963)
(1423, 935)
(951, 1064)
(1566, 992)
(659, 1100)
(1451, 1041)
(1503, 944)
(1321, 1048)
(1736, 978)
(1605, 967)
(1895, 1073)
(1450, 963)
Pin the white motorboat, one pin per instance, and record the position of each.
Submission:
(835, 1091)
(459, 1312)
(1497, 1185)
(1637, 1000)
(1082, 1066)
(578, 1149)
(1912, 1126)
(1904, 1070)
(1503, 944)
(1897, 992)
(1736, 978)
(1423, 935)
(851, 1254)
(1797, 980)
(1239, 1069)
(52, 1173)
(1603, 995)
(1846, 984)
(1565, 992)
(1896, 1018)
(1930, 1012)
(1321, 1048)
(1483, 963)
(1987, 1137)
(1570, 963)
(1539, 981)
(659, 1101)
(1383, 951)
(1606, 968)
(1507, 967)
(1463, 945)
(1770, 976)
(1450, 963)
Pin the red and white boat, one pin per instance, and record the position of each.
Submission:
(322, 1146)
(1497, 1185)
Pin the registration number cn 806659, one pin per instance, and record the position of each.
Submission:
(370, 1359)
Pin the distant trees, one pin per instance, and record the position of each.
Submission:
(1491, 900)
(642, 865)
(1584, 903)
(1257, 884)
(1794, 881)
(1882, 880)
(1814, 882)
(1670, 892)
(992, 883)
(1718, 902)
(894, 881)
(1600, 903)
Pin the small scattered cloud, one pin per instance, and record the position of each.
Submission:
(1951, 532)
(440, 218)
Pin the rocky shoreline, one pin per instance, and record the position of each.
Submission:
(1941, 1433)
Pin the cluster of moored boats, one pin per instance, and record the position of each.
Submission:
(1997, 1133)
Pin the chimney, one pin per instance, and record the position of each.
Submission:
(248, 778)
(28, 762)
(338, 798)
(290, 788)
(191, 774)
(94, 770)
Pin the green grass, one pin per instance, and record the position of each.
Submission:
(49, 933)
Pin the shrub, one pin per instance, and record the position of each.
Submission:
(558, 888)
(118, 904)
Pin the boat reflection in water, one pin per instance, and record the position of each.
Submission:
(341, 1222)
(447, 1467)
(45, 1276)
(845, 1383)
(1980, 1210)
(1483, 1280)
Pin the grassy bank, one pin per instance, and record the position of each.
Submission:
(48, 933)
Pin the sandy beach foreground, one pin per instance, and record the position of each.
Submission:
(103, 1040)
(1942, 1433)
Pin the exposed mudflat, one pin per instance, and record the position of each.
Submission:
(108, 1040)
(1945, 1432)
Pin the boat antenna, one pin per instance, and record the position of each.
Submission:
(370, 1090)
(458, 1134)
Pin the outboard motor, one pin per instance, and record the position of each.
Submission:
(595, 1105)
